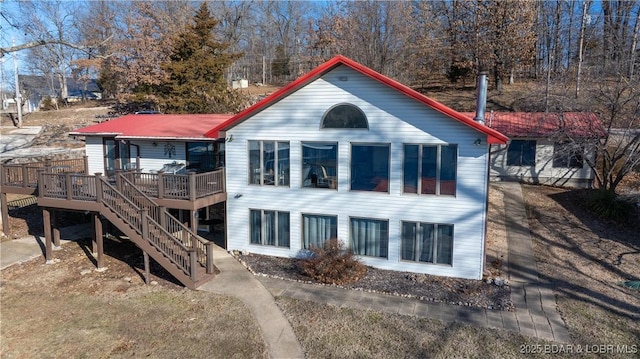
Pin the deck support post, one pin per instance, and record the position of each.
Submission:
(209, 248)
(55, 229)
(193, 214)
(48, 252)
(163, 216)
(192, 186)
(147, 272)
(98, 238)
(94, 236)
(4, 207)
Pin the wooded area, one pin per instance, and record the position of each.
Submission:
(584, 55)
(419, 43)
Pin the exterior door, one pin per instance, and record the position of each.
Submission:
(116, 155)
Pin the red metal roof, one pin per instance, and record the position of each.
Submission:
(178, 126)
(493, 136)
(542, 124)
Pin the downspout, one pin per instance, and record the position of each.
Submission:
(481, 107)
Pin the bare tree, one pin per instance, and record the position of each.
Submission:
(52, 23)
(374, 33)
(143, 42)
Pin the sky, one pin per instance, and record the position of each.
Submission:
(7, 34)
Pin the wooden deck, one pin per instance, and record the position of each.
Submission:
(137, 203)
(67, 180)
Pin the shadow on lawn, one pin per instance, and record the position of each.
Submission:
(627, 234)
(127, 252)
(571, 232)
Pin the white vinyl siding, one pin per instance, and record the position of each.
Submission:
(152, 158)
(393, 118)
(543, 171)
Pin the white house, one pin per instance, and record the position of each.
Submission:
(345, 152)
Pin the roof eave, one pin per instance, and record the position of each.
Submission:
(493, 136)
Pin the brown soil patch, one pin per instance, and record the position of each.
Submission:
(585, 259)
(67, 309)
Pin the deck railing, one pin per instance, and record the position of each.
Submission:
(26, 175)
(71, 186)
(167, 221)
(176, 186)
(150, 230)
(128, 201)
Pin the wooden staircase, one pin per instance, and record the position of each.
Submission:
(64, 184)
(184, 254)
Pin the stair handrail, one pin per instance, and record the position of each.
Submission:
(168, 222)
(124, 185)
(148, 228)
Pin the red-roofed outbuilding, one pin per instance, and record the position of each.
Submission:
(550, 148)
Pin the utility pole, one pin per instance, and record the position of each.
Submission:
(18, 96)
(264, 72)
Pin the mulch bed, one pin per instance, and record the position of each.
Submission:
(426, 287)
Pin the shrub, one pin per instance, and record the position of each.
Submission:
(47, 104)
(607, 205)
(333, 264)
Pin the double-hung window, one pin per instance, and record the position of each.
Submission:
(567, 155)
(369, 237)
(317, 229)
(430, 169)
(427, 242)
(269, 228)
(269, 163)
(521, 153)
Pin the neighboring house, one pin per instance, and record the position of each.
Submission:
(546, 148)
(345, 152)
(37, 88)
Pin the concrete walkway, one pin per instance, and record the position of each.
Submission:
(235, 280)
(534, 301)
(20, 250)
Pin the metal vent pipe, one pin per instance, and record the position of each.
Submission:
(481, 98)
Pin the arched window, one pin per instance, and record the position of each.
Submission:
(344, 116)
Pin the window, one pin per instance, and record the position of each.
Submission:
(201, 156)
(269, 228)
(269, 163)
(344, 116)
(370, 168)
(567, 155)
(430, 169)
(369, 237)
(521, 153)
(319, 165)
(317, 229)
(427, 242)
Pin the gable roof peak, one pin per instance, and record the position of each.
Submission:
(493, 136)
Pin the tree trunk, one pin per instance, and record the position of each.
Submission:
(580, 46)
(634, 43)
